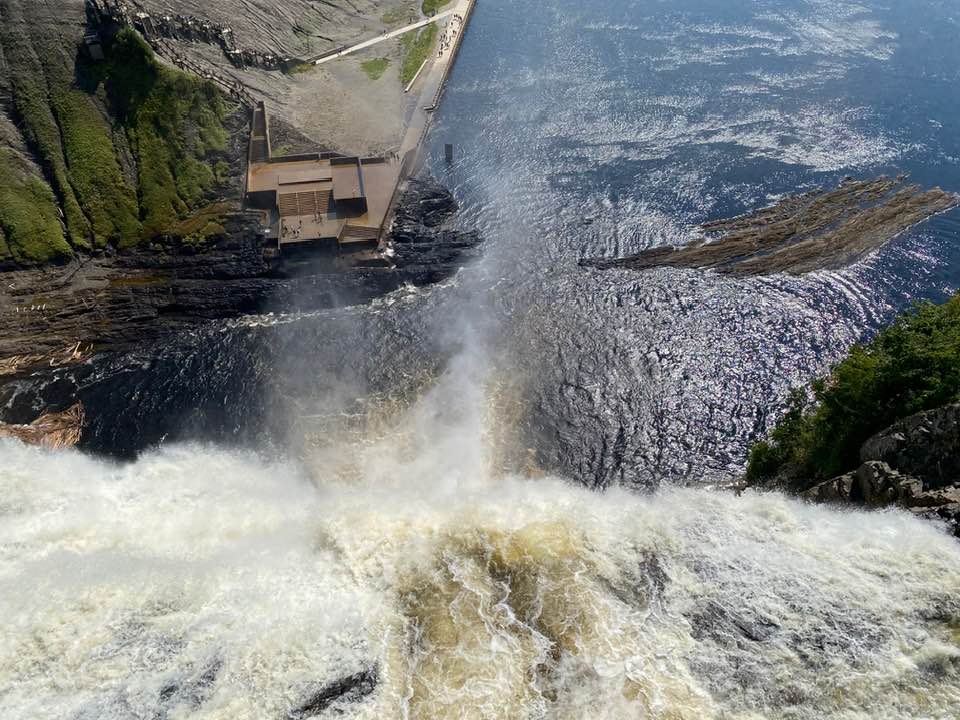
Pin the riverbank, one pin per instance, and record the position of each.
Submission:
(110, 303)
(882, 429)
(210, 265)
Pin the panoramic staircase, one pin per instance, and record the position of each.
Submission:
(357, 234)
(317, 202)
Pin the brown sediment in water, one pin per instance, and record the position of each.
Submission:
(54, 430)
(818, 230)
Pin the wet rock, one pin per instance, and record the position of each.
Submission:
(874, 484)
(348, 689)
(425, 202)
(717, 622)
(643, 585)
(879, 485)
(423, 249)
(654, 578)
(802, 233)
(837, 490)
(193, 690)
(141, 296)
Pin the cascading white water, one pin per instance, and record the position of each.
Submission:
(207, 583)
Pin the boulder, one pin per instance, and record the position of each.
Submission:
(913, 464)
(837, 490)
(879, 485)
(874, 484)
(925, 446)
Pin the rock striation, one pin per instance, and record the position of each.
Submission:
(53, 316)
(914, 464)
(818, 230)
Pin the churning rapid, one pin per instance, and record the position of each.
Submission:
(382, 511)
(416, 583)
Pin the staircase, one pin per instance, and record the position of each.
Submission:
(318, 202)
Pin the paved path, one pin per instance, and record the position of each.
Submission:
(386, 36)
(430, 83)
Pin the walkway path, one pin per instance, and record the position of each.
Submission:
(430, 83)
(386, 36)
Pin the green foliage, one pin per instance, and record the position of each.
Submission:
(911, 366)
(221, 171)
(788, 441)
(173, 122)
(204, 223)
(28, 216)
(417, 47)
(432, 6)
(375, 68)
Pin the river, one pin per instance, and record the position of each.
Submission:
(408, 489)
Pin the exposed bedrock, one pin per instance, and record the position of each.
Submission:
(114, 302)
(818, 230)
(914, 463)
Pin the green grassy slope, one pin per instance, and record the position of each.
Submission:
(417, 46)
(128, 148)
(173, 122)
(29, 216)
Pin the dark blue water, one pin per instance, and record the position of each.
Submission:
(596, 129)
(604, 128)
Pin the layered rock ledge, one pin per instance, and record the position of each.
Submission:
(59, 315)
(818, 230)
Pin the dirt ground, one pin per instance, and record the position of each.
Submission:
(337, 105)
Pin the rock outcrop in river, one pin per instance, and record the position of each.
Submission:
(818, 230)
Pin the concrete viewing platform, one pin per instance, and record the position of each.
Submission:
(317, 200)
(329, 201)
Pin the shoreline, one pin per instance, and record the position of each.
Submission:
(110, 302)
(411, 148)
(119, 302)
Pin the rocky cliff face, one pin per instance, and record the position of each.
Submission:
(104, 154)
(114, 302)
(914, 464)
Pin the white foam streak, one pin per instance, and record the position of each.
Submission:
(475, 595)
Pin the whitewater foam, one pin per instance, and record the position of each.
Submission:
(205, 583)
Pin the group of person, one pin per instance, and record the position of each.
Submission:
(293, 231)
(446, 41)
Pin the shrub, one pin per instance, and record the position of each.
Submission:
(911, 366)
(417, 47)
(375, 68)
